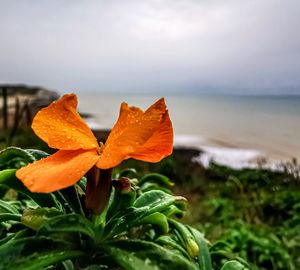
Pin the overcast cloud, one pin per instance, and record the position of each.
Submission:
(230, 46)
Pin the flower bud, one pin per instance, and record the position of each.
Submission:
(122, 185)
(192, 248)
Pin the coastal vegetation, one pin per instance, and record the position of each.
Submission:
(252, 213)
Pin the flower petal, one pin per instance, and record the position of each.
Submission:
(128, 115)
(141, 135)
(61, 127)
(62, 169)
(160, 145)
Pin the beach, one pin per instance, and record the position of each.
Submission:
(238, 131)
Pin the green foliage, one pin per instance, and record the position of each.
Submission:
(251, 212)
(137, 230)
(22, 137)
(255, 212)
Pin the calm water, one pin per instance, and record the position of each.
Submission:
(270, 124)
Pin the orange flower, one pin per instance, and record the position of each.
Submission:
(146, 136)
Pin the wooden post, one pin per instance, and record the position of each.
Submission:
(4, 109)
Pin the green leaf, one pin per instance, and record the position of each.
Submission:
(204, 258)
(71, 196)
(82, 183)
(37, 154)
(8, 207)
(10, 217)
(10, 153)
(70, 223)
(158, 220)
(14, 236)
(186, 238)
(35, 253)
(147, 204)
(234, 265)
(130, 172)
(96, 267)
(168, 241)
(158, 200)
(35, 218)
(65, 206)
(152, 186)
(137, 255)
(40, 260)
(173, 211)
(8, 178)
(68, 265)
(156, 178)
(119, 201)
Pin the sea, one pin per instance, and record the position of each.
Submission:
(238, 131)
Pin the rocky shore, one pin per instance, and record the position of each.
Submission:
(18, 101)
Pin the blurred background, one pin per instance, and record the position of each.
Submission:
(229, 69)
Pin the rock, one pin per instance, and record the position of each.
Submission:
(22, 101)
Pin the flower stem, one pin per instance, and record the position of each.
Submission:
(98, 189)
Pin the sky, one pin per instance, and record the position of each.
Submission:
(172, 46)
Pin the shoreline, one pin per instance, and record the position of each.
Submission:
(220, 151)
(231, 155)
(267, 126)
